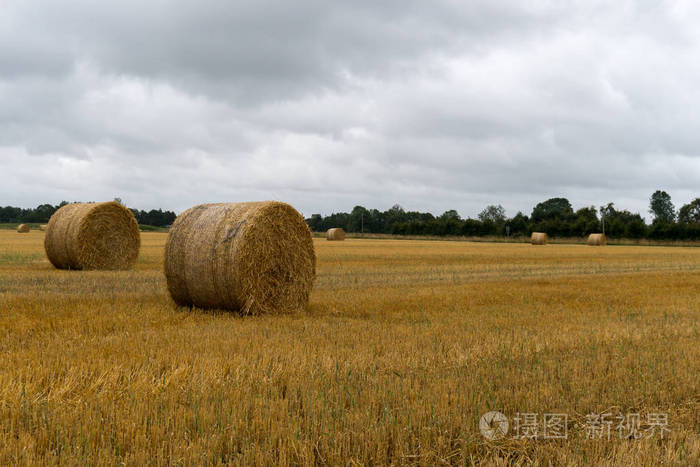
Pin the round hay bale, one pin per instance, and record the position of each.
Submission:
(539, 238)
(597, 239)
(336, 234)
(43, 227)
(23, 228)
(92, 236)
(252, 258)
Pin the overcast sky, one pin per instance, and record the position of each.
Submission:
(433, 105)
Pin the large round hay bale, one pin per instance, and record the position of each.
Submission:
(539, 238)
(23, 228)
(92, 236)
(597, 239)
(43, 227)
(336, 234)
(248, 257)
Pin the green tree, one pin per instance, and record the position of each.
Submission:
(607, 211)
(450, 215)
(393, 216)
(42, 213)
(315, 223)
(587, 214)
(493, 213)
(586, 221)
(635, 229)
(519, 224)
(690, 213)
(553, 208)
(358, 217)
(661, 207)
(622, 223)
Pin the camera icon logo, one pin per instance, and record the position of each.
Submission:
(493, 425)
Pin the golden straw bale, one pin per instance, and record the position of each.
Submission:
(539, 238)
(43, 227)
(92, 236)
(23, 228)
(597, 239)
(336, 234)
(253, 258)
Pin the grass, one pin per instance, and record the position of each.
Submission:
(35, 226)
(19, 258)
(404, 346)
(517, 239)
(152, 228)
(13, 226)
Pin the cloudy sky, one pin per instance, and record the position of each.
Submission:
(433, 105)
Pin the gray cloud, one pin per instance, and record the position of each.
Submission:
(435, 105)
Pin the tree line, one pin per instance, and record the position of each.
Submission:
(554, 216)
(42, 213)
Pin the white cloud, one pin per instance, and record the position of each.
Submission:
(434, 106)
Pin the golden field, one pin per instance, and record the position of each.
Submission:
(405, 345)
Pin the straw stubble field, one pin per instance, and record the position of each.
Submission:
(405, 345)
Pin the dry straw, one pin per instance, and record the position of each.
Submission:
(249, 257)
(336, 234)
(23, 228)
(92, 236)
(597, 239)
(539, 238)
(43, 227)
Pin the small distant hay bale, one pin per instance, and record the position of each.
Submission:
(92, 236)
(252, 258)
(43, 227)
(23, 228)
(539, 238)
(336, 234)
(597, 239)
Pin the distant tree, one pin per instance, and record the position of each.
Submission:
(315, 223)
(554, 216)
(376, 221)
(450, 215)
(636, 228)
(336, 219)
(358, 216)
(396, 209)
(622, 223)
(10, 214)
(156, 218)
(690, 213)
(588, 214)
(42, 213)
(493, 213)
(553, 208)
(137, 215)
(607, 211)
(586, 221)
(471, 227)
(519, 224)
(661, 207)
(393, 216)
